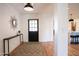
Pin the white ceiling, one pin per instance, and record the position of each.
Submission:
(37, 7)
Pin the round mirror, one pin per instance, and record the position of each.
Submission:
(13, 22)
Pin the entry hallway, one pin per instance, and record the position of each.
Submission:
(34, 49)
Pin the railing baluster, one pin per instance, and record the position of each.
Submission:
(4, 47)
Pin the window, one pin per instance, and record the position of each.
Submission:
(32, 25)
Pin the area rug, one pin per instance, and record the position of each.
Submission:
(29, 49)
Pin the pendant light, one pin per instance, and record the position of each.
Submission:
(28, 7)
(71, 18)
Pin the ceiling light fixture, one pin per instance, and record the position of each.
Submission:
(71, 18)
(28, 7)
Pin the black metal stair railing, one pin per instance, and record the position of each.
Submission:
(8, 39)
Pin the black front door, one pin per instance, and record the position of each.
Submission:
(33, 30)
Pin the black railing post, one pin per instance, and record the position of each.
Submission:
(8, 47)
(4, 47)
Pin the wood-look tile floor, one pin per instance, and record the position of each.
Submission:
(42, 49)
(49, 47)
(34, 49)
(73, 49)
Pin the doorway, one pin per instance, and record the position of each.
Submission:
(33, 30)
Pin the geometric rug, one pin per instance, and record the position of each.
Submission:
(29, 49)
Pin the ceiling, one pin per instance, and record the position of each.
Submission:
(74, 9)
(37, 7)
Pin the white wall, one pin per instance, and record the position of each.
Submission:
(6, 10)
(61, 29)
(45, 24)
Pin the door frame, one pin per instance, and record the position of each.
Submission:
(37, 28)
